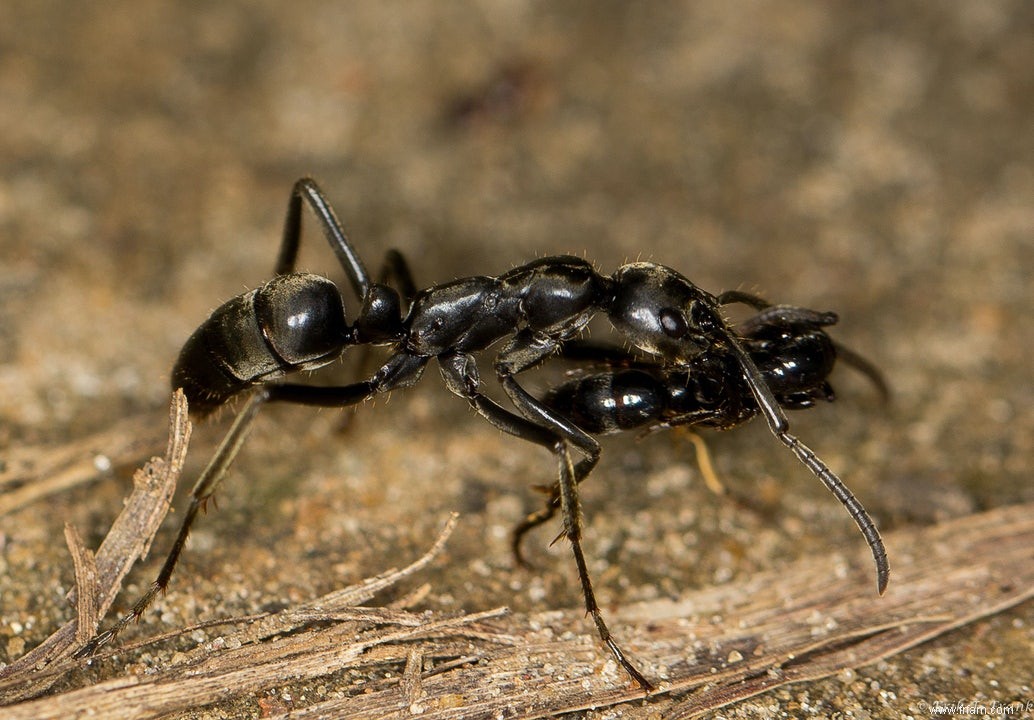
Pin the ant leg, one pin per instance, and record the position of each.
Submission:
(460, 374)
(526, 430)
(872, 536)
(399, 371)
(306, 189)
(866, 368)
(705, 465)
(459, 371)
(542, 416)
(730, 297)
(395, 267)
(532, 521)
(546, 513)
(525, 350)
(539, 517)
(206, 484)
(571, 509)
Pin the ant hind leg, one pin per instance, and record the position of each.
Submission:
(205, 486)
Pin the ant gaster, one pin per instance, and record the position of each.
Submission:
(297, 321)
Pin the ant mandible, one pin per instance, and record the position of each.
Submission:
(296, 321)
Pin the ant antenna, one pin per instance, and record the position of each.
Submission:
(780, 426)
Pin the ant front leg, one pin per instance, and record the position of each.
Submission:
(527, 349)
(460, 374)
(459, 371)
(603, 355)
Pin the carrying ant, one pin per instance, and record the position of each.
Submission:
(297, 321)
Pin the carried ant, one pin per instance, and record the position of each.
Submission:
(297, 321)
(624, 392)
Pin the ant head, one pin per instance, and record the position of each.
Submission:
(303, 319)
(662, 313)
(791, 350)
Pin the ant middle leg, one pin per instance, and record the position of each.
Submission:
(572, 513)
(460, 374)
(523, 352)
(459, 371)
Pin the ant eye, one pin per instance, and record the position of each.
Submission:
(673, 322)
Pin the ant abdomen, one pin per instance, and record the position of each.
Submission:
(610, 402)
(293, 322)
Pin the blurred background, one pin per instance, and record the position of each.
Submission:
(874, 159)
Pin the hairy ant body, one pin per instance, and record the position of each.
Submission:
(297, 321)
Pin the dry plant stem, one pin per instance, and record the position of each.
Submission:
(340, 604)
(357, 640)
(85, 577)
(206, 485)
(776, 628)
(129, 538)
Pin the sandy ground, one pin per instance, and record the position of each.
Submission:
(876, 160)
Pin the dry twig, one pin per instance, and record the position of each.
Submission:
(711, 648)
(129, 538)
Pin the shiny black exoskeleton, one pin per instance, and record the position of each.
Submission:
(787, 344)
(297, 322)
(624, 392)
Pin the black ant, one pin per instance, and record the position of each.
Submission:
(625, 392)
(297, 321)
